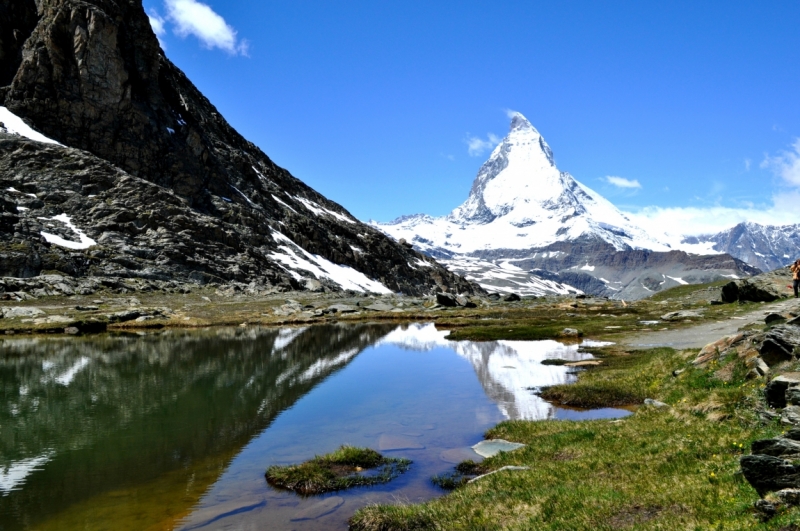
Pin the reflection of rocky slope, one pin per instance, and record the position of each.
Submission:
(131, 409)
(161, 186)
(530, 228)
(507, 370)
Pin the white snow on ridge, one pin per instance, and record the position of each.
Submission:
(678, 280)
(319, 210)
(85, 242)
(295, 257)
(14, 125)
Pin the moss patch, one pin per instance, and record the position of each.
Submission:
(345, 468)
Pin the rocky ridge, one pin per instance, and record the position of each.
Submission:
(146, 181)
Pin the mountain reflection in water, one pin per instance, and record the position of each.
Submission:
(131, 431)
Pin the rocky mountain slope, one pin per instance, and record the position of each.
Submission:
(766, 247)
(114, 165)
(531, 228)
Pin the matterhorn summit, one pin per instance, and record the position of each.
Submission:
(531, 228)
(521, 200)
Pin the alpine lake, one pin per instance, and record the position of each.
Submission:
(174, 429)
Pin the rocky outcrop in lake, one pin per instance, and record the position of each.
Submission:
(142, 178)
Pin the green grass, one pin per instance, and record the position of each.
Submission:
(342, 469)
(463, 472)
(669, 468)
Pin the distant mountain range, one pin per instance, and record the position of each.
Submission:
(530, 228)
(766, 247)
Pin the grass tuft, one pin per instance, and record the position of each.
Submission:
(342, 469)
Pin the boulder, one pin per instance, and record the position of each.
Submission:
(494, 296)
(756, 291)
(794, 321)
(778, 344)
(12, 312)
(775, 392)
(768, 473)
(730, 292)
(447, 300)
(570, 332)
(774, 318)
(512, 297)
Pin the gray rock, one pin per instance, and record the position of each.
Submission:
(680, 315)
(124, 316)
(775, 392)
(87, 308)
(380, 307)
(512, 297)
(776, 447)
(570, 332)
(72, 330)
(789, 497)
(766, 508)
(768, 473)
(654, 403)
(14, 312)
(790, 415)
(754, 290)
(792, 396)
(342, 308)
(794, 321)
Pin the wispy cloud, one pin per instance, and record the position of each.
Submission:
(622, 182)
(477, 146)
(786, 165)
(190, 17)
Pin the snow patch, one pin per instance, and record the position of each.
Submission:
(85, 242)
(679, 280)
(295, 257)
(587, 267)
(320, 210)
(14, 125)
(284, 204)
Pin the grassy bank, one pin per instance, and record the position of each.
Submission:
(661, 468)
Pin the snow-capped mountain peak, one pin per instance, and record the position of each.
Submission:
(521, 200)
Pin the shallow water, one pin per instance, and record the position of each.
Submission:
(174, 430)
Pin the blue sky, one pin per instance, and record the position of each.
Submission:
(374, 104)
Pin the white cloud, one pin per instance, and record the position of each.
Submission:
(191, 17)
(622, 182)
(159, 26)
(709, 220)
(786, 165)
(158, 23)
(477, 146)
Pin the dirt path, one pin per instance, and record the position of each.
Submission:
(703, 334)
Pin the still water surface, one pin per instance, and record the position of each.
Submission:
(174, 430)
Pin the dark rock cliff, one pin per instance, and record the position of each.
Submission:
(152, 172)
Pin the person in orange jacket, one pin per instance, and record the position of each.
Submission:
(796, 276)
